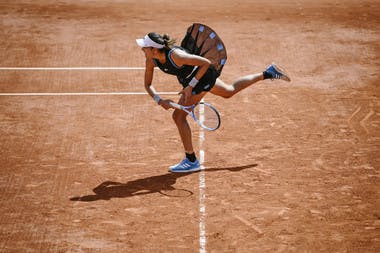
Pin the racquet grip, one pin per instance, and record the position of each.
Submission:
(177, 106)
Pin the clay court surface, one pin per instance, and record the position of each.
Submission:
(293, 168)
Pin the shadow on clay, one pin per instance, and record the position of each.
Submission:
(162, 184)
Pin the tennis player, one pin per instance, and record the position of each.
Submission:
(198, 76)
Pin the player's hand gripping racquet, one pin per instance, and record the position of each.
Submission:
(203, 113)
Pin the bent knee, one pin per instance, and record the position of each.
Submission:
(227, 95)
(179, 116)
(224, 94)
(223, 90)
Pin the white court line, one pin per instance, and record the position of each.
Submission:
(72, 68)
(202, 187)
(82, 93)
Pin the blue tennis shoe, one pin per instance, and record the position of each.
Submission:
(277, 73)
(186, 166)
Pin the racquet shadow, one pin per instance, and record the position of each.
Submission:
(155, 184)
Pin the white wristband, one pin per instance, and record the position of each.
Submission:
(156, 98)
(193, 82)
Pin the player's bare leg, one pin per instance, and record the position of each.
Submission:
(190, 163)
(180, 119)
(273, 71)
(228, 90)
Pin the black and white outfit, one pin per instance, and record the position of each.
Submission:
(203, 41)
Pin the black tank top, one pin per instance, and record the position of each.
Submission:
(184, 73)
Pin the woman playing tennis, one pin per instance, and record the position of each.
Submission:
(197, 65)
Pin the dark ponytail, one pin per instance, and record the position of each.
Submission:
(163, 40)
(169, 43)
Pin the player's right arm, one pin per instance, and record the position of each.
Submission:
(148, 78)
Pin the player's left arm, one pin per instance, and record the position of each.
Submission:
(181, 58)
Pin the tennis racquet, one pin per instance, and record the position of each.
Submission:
(203, 113)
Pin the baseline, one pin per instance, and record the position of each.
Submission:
(81, 93)
(72, 68)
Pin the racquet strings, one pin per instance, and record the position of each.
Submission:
(207, 116)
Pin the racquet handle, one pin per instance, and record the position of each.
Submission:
(177, 106)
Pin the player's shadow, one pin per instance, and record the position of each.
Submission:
(155, 184)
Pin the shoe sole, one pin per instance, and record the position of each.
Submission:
(284, 76)
(185, 171)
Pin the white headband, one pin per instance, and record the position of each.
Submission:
(148, 42)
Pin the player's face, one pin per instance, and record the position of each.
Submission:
(151, 52)
(148, 51)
